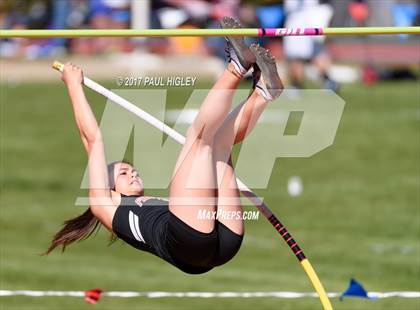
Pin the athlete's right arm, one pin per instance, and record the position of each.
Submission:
(100, 200)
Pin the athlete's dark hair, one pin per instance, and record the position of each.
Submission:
(84, 225)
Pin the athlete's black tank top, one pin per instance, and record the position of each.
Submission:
(149, 226)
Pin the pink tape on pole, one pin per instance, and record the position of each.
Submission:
(270, 32)
(313, 32)
(281, 32)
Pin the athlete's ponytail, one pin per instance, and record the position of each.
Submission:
(82, 226)
(75, 229)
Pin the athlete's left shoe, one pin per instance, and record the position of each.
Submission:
(266, 78)
(238, 52)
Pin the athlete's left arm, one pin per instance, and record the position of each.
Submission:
(100, 200)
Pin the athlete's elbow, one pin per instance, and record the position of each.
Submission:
(93, 137)
(93, 144)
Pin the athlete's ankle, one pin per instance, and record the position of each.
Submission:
(260, 96)
(232, 69)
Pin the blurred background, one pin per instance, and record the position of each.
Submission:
(317, 59)
(356, 211)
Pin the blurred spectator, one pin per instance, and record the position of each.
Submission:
(216, 45)
(187, 45)
(298, 50)
(405, 13)
(23, 15)
(59, 20)
(349, 13)
(359, 12)
(271, 16)
(110, 14)
(13, 17)
(192, 14)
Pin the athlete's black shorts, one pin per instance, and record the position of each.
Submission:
(153, 228)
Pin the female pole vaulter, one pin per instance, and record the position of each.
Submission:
(203, 177)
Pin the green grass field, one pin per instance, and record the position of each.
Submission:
(357, 217)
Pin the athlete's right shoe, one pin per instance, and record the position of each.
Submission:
(238, 52)
(267, 81)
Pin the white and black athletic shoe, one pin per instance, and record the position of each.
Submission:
(265, 76)
(237, 51)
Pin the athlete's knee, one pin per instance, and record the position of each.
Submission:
(200, 135)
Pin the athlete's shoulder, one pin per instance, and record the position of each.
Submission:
(140, 201)
(150, 200)
(116, 198)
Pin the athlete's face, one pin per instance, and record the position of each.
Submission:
(127, 180)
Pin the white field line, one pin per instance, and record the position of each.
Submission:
(157, 294)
